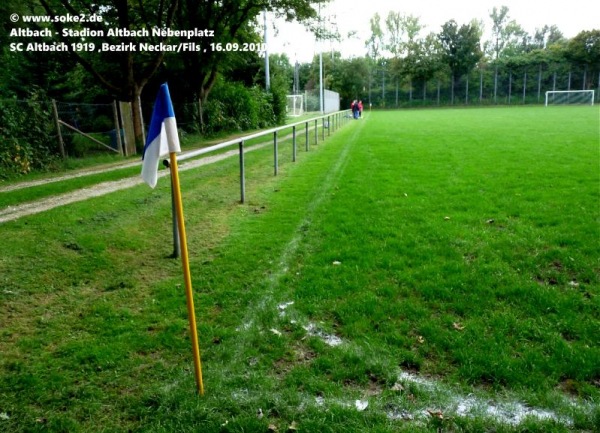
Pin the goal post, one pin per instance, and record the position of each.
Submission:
(569, 97)
(295, 105)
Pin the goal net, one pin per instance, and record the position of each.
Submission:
(295, 105)
(570, 97)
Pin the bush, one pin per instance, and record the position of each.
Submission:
(232, 107)
(27, 129)
(279, 91)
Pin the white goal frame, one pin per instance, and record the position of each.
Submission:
(295, 105)
(582, 99)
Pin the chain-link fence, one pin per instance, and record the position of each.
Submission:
(483, 86)
(331, 101)
(88, 128)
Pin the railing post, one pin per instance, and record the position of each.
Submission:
(176, 245)
(275, 155)
(294, 143)
(306, 135)
(242, 174)
(328, 126)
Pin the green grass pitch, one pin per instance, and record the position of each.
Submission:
(419, 271)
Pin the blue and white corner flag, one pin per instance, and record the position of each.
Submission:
(162, 137)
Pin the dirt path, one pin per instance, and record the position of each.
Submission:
(12, 213)
(82, 173)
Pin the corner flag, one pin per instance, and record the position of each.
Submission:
(163, 140)
(162, 136)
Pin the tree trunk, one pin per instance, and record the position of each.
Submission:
(136, 115)
(203, 125)
(204, 91)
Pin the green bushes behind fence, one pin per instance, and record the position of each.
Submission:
(28, 135)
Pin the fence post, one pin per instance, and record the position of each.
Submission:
(524, 86)
(306, 135)
(294, 143)
(127, 122)
(275, 155)
(117, 127)
(61, 143)
(141, 119)
(316, 131)
(242, 174)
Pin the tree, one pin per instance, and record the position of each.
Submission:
(460, 48)
(375, 46)
(232, 21)
(350, 79)
(424, 61)
(402, 32)
(23, 70)
(546, 36)
(123, 73)
(584, 50)
(506, 33)
(375, 42)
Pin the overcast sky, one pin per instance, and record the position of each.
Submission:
(570, 17)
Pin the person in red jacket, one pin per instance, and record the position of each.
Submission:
(360, 108)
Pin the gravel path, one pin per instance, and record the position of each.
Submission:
(12, 213)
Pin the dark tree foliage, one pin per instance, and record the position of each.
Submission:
(460, 47)
(125, 73)
(584, 49)
(233, 21)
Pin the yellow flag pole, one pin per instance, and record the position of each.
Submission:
(186, 272)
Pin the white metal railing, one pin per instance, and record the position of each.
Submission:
(329, 122)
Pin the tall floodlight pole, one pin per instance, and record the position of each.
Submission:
(297, 78)
(267, 74)
(321, 93)
(319, 44)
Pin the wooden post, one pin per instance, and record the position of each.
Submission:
(117, 127)
(141, 120)
(127, 123)
(61, 143)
